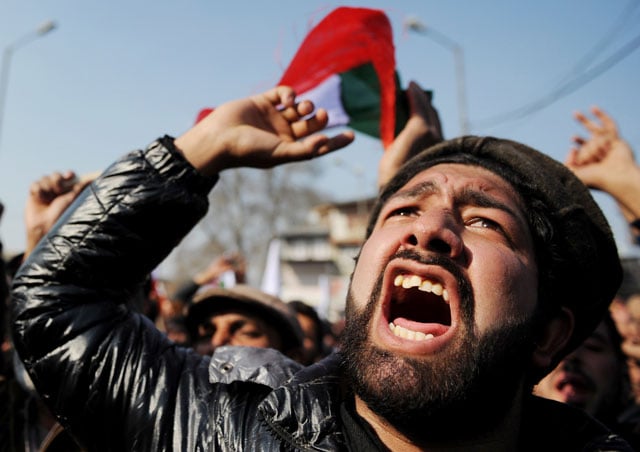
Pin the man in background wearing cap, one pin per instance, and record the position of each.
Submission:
(485, 263)
(244, 316)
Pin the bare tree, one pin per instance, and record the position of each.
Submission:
(248, 208)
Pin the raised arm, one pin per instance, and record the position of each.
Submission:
(115, 381)
(604, 161)
(422, 130)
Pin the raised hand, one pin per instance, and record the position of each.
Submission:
(603, 156)
(421, 131)
(48, 197)
(605, 161)
(261, 131)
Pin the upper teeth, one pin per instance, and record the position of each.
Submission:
(409, 281)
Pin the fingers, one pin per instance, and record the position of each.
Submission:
(312, 124)
(337, 142)
(572, 158)
(284, 98)
(304, 126)
(605, 124)
(52, 185)
(586, 122)
(321, 144)
(603, 134)
(317, 145)
(298, 114)
(418, 99)
(46, 189)
(281, 95)
(297, 111)
(81, 182)
(590, 151)
(420, 104)
(578, 140)
(607, 121)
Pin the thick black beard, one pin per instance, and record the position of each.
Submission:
(463, 393)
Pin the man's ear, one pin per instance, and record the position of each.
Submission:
(553, 337)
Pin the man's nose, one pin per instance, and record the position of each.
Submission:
(572, 362)
(437, 231)
(221, 337)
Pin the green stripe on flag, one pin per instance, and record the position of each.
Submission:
(360, 96)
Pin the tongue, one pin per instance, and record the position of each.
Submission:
(436, 329)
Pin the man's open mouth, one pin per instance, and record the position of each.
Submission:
(577, 383)
(419, 308)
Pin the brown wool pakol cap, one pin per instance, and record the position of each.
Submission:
(210, 300)
(579, 255)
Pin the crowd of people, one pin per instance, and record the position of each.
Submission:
(484, 310)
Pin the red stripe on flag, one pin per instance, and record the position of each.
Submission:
(347, 38)
(203, 114)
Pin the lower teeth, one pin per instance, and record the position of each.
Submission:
(409, 334)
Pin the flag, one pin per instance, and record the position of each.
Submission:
(346, 64)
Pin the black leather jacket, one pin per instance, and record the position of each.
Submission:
(116, 383)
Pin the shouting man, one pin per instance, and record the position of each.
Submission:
(486, 262)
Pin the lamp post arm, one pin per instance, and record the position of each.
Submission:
(462, 93)
(4, 82)
(416, 25)
(7, 55)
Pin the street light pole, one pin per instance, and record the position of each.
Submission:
(414, 24)
(7, 54)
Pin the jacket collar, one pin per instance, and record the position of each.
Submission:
(305, 411)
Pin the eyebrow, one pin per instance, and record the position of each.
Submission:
(415, 191)
(468, 196)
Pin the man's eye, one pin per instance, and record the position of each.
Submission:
(253, 334)
(248, 331)
(206, 331)
(402, 212)
(242, 328)
(485, 223)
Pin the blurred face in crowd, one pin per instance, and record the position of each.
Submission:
(633, 307)
(310, 347)
(441, 300)
(631, 345)
(235, 328)
(588, 377)
(634, 377)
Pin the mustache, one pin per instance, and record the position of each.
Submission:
(464, 285)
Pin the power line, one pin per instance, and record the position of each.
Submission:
(567, 87)
(614, 30)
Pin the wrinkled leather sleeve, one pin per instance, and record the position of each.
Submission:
(106, 372)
